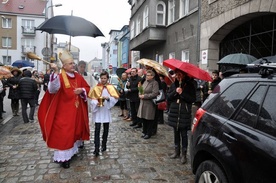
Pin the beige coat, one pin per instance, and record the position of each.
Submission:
(147, 107)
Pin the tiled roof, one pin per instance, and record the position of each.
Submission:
(30, 7)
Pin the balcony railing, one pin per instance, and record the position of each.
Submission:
(28, 31)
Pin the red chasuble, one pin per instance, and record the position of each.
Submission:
(63, 116)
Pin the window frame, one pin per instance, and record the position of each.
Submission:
(162, 13)
(171, 13)
(146, 17)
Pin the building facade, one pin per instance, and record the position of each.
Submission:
(230, 26)
(161, 29)
(19, 20)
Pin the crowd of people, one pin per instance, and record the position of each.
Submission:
(71, 93)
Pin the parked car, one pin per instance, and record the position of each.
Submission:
(114, 80)
(233, 136)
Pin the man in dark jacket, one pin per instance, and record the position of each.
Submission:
(27, 87)
(132, 95)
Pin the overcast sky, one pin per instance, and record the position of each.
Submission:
(105, 14)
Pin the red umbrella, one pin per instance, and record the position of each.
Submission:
(128, 70)
(189, 68)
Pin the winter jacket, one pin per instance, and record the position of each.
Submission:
(132, 95)
(13, 92)
(27, 87)
(180, 113)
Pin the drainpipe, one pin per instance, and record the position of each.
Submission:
(198, 32)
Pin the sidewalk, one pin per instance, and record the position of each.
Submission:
(129, 158)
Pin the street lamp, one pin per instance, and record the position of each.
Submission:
(46, 18)
(7, 41)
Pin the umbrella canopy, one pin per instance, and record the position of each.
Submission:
(265, 60)
(237, 59)
(160, 69)
(70, 25)
(128, 70)
(22, 63)
(5, 72)
(190, 69)
(120, 71)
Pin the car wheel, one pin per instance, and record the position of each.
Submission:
(209, 172)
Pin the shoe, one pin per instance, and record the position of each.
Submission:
(103, 149)
(120, 115)
(31, 120)
(125, 118)
(3, 111)
(142, 136)
(65, 164)
(1, 117)
(133, 124)
(129, 119)
(96, 152)
(138, 126)
(147, 137)
(82, 145)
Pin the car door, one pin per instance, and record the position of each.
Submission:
(253, 149)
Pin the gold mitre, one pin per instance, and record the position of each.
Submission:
(65, 56)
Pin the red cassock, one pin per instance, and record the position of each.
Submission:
(63, 116)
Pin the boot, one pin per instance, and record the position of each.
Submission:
(96, 151)
(103, 146)
(183, 159)
(16, 108)
(125, 114)
(176, 153)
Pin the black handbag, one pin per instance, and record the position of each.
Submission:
(160, 98)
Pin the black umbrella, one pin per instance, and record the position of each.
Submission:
(120, 71)
(70, 25)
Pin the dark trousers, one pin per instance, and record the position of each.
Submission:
(134, 106)
(15, 105)
(156, 120)
(123, 105)
(37, 96)
(180, 136)
(1, 105)
(97, 134)
(147, 127)
(24, 104)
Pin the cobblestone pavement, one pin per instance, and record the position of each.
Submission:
(24, 157)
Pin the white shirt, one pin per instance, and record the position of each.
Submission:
(103, 114)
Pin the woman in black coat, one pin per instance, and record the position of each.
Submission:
(181, 95)
(13, 90)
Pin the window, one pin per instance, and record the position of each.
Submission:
(267, 117)
(132, 33)
(228, 101)
(138, 24)
(28, 44)
(160, 13)
(171, 11)
(6, 61)
(184, 8)
(28, 25)
(146, 17)
(6, 42)
(248, 113)
(6, 22)
(171, 55)
(160, 59)
(185, 54)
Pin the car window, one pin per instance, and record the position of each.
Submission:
(249, 112)
(226, 103)
(267, 118)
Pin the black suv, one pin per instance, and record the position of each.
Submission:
(233, 137)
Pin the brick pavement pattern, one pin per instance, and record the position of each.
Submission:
(24, 157)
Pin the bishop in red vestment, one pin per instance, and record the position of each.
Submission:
(63, 113)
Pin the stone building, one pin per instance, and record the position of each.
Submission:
(231, 26)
